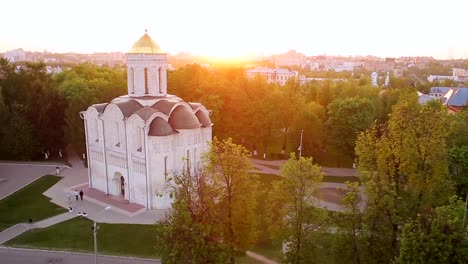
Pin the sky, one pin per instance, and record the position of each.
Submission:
(391, 28)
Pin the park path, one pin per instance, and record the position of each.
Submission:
(272, 167)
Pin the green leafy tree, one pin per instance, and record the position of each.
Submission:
(229, 167)
(348, 117)
(293, 219)
(19, 140)
(351, 233)
(436, 236)
(190, 233)
(213, 218)
(403, 168)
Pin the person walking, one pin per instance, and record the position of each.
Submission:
(76, 194)
(69, 197)
(81, 195)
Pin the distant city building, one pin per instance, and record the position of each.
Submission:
(424, 98)
(387, 80)
(137, 140)
(291, 58)
(375, 79)
(458, 75)
(438, 92)
(273, 75)
(455, 98)
(15, 55)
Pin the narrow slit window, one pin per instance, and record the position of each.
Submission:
(146, 81)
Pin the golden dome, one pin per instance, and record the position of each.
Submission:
(145, 45)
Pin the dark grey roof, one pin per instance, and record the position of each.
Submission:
(146, 112)
(439, 89)
(459, 97)
(129, 107)
(164, 106)
(100, 107)
(203, 118)
(183, 118)
(160, 127)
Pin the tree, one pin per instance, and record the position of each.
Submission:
(18, 140)
(293, 219)
(436, 236)
(213, 217)
(351, 234)
(190, 233)
(458, 150)
(348, 117)
(229, 167)
(403, 168)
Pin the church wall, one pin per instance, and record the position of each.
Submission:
(117, 167)
(174, 148)
(138, 180)
(161, 167)
(97, 168)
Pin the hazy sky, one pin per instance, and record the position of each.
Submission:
(235, 27)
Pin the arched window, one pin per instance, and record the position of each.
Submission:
(188, 161)
(160, 80)
(138, 139)
(116, 134)
(146, 81)
(165, 168)
(131, 80)
(95, 130)
(195, 163)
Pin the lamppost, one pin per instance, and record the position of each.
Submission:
(300, 145)
(95, 229)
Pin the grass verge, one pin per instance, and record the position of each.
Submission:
(340, 179)
(29, 202)
(76, 235)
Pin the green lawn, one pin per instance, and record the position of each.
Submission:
(76, 235)
(29, 202)
(340, 179)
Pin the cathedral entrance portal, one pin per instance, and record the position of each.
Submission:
(122, 186)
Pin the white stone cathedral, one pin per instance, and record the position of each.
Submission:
(135, 142)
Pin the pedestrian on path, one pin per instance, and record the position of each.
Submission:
(69, 197)
(76, 194)
(81, 195)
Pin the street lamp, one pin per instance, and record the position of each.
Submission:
(300, 145)
(95, 228)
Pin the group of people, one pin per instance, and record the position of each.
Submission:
(78, 195)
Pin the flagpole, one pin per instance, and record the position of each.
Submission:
(300, 146)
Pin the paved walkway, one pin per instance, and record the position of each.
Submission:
(272, 167)
(16, 175)
(76, 178)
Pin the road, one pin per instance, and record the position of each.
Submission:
(30, 256)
